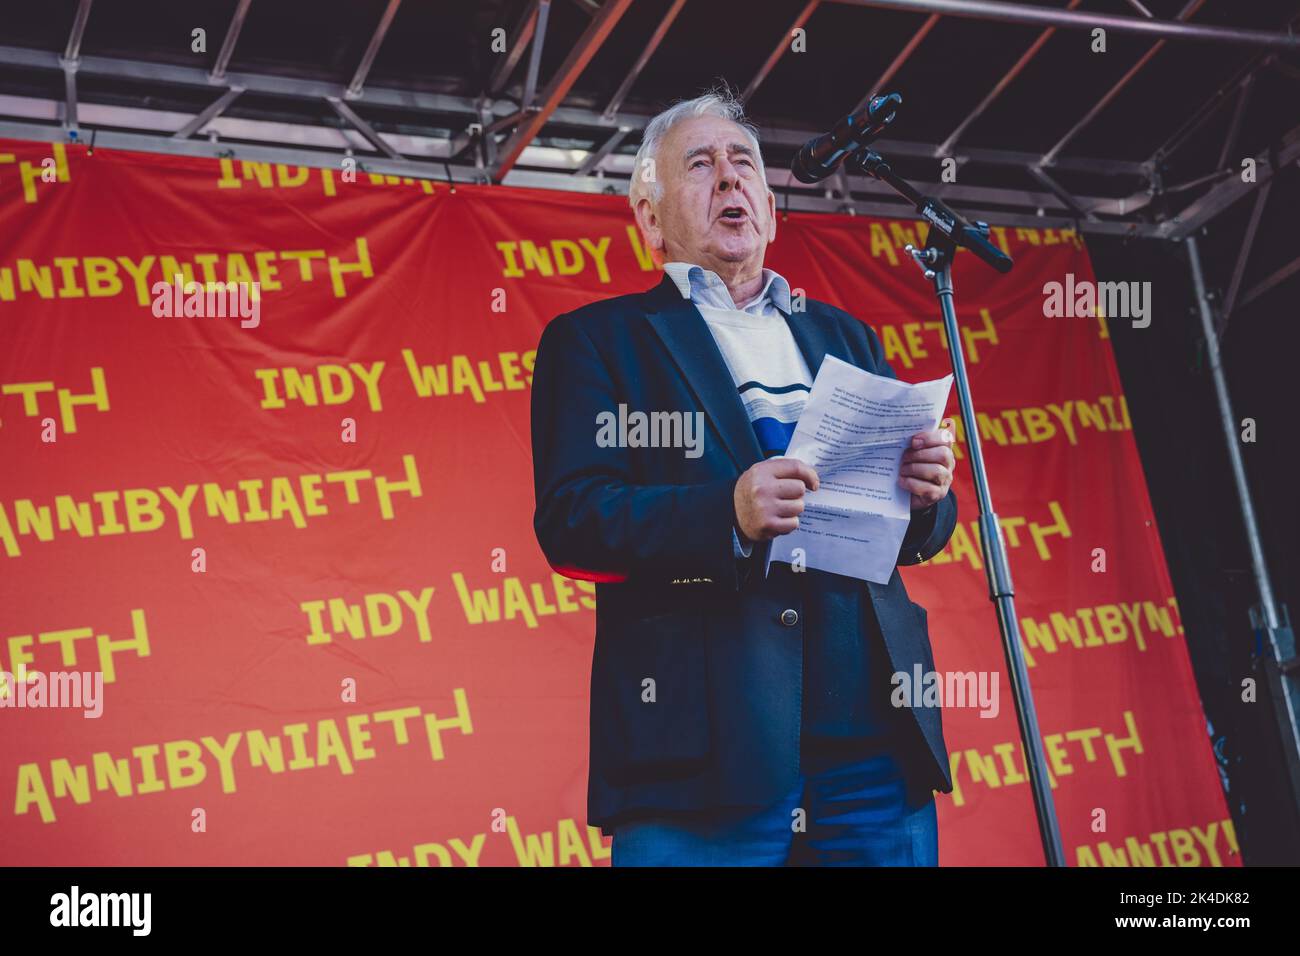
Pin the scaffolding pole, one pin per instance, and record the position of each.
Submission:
(1281, 668)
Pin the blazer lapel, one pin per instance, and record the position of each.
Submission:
(688, 339)
(814, 342)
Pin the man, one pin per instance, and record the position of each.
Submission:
(736, 718)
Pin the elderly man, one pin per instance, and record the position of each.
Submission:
(737, 718)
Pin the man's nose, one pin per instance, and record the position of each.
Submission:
(728, 176)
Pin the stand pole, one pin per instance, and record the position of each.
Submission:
(948, 231)
(1001, 590)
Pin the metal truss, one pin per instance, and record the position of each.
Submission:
(491, 134)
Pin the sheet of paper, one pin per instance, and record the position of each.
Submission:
(853, 431)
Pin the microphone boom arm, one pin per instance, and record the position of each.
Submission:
(961, 232)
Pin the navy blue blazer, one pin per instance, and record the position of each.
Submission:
(697, 672)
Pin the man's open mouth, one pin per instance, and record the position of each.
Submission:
(734, 214)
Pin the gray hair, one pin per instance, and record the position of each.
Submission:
(719, 101)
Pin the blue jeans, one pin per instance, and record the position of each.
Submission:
(855, 813)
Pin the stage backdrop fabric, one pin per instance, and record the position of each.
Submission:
(297, 542)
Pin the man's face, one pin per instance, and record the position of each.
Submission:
(716, 207)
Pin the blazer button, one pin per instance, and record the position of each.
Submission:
(789, 617)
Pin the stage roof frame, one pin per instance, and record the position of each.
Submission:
(541, 129)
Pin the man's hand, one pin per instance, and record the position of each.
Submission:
(928, 465)
(769, 497)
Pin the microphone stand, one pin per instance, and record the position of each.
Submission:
(948, 231)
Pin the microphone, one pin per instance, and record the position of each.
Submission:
(820, 157)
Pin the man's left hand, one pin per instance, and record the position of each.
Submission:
(928, 465)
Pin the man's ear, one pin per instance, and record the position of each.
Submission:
(771, 215)
(648, 223)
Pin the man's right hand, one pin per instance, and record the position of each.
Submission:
(769, 497)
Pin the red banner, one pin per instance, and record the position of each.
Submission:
(276, 527)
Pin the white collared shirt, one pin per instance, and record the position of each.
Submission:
(766, 365)
(707, 288)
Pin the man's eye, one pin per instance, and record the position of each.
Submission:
(699, 162)
(745, 162)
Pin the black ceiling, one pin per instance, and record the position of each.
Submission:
(443, 46)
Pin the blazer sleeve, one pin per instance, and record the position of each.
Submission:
(931, 527)
(592, 520)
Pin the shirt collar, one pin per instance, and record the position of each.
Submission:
(704, 287)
